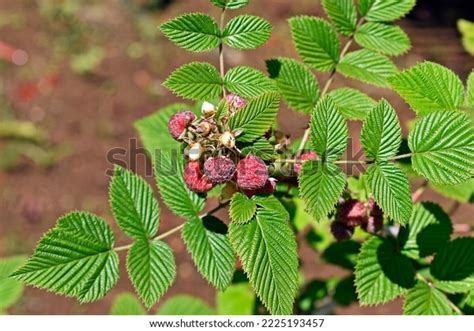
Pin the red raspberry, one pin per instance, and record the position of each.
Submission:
(268, 188)
(341, 231)
(352, 213)
(252, 173)
(179, 122)
(374, 223)
(219, 169)
(304, 157)
(195, 180)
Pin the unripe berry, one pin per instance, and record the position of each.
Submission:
(236, 102)
(304, 157)
(195, 180)
(341, 231)
(204, 128)
(227, 139)
(179, 122)
(195, 151)
(219, 169)
(352, 213)
(251, 173)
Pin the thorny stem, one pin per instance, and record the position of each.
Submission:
(221, 52)
(177, 228)
(326, 88)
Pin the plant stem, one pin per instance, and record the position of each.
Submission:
(177, 228)
(221, 52)
(451, 304)
(403, 156)
(326, 88)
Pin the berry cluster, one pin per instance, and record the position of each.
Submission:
(212, 156)
(352, 213)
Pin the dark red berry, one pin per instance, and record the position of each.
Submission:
(251, 173)
(268, 188)
(341, 231)
(179, 122)
(352, 213)
(374, 222)
(304, 157)
(195, 180)
(219, 169)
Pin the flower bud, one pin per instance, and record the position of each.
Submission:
(208, 109)
(195, 151)
(227, 139)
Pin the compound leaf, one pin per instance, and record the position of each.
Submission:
(385, 10)
(383, 38)
(248, 82)
(342, 14)
(351, 103)
(242, 209)
(247, 32)
(424, 299)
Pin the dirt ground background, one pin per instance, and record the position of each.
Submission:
(93, 113)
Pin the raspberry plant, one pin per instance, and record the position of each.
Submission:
(230, 149)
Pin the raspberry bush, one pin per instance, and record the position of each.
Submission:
(228, 147)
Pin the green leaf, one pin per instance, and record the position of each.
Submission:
(342, 14)
(466, 28)
(261, 148)
(238, 299)
(453, 266)
(351, 103)
(267, 248)
(342, 253)
(10, 289)
(391, 190)
(428, 230)
(242, 209)
(295, 82)
(383, 38)
(230, 4)
(382, 273)
(443, 147)
(152, 269)
(381, 134)
(247, 32)
(367, 66)
(133, 204)
(424, 299)
(470, 91)
(463, 192)
(321, 185)
(195, 81)
(256, 117)
(209, 246)
(385, 10)
(429, 87)
(126, 304)
(328, 130)
(195, 32)
(75, 259)
(185, 305)
(248, 82)
(316, 42)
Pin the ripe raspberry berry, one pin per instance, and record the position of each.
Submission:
(341, 231)
(236, 102)
(304, 157)
(195, 180)
(374, 222)
(352, 213)
(268, 188)
(179, 122)
(219, 169)
(251, 173)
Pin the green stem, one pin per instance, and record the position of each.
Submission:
(451, 304)
(221, 52)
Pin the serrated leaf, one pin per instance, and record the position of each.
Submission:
(427, 231)
(75, 259)
(209, 246)
(391, 190)
(261, 148)
(321, 185)
(126, 304)
(183, 305)
(267, 248)
(230, 4)
(385, 10)
(237, 299)
(195, 32)
(429, 87)
(463, 192)
(453, 266)
(424, 299)
(195, 81)
(381, 273)
(443, 147)
(133, 205)
(272, 205)
(296, 83)
(351, 103)
(242, 209)
(342, 14)
(248, 82)
(383, 38)
(367, 66)
(247, 32)
(329, 132)
(381, 134)
(152, 270)
(256, 117)
(316, 42)
(10, 289)
(470, 91)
